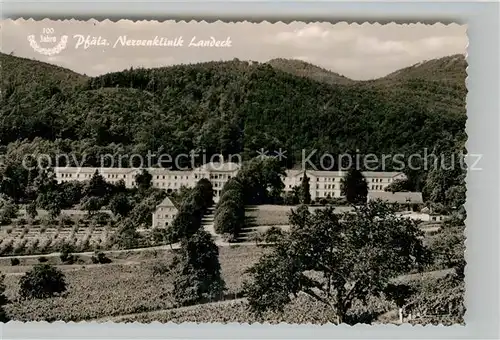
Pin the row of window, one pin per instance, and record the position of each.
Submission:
(377, 187)
(220, 176)
(380, 180)
(325, 194)
(326, 186)
(156, 184)
(78, 175)
(167, 216)
(162, 184)
(170, 177)
(325, 179)
(175, 177)
(332, 179)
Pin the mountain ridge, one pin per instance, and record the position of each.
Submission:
(231, 107)
(289, 65)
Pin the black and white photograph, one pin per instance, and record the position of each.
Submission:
(233, 172)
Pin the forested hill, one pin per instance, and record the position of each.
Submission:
(25, 74)
(229, 107)
(305, 69)
(451, 69)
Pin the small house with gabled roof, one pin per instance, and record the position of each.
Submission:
(164, 214)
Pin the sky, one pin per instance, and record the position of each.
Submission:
(358, 52)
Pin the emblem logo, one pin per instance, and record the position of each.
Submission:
(47, 37)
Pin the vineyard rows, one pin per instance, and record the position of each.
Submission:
(302, 310)
(40, 240)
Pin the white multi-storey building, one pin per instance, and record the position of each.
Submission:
(169, 180)
(322, 183)
(327, 183)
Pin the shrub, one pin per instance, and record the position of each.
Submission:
(66, 249)
(20, 247)
(65, 220)
(42, 281)
(257, 237)
(42, 259)
(229, 238)
(69, 259)
(273, 234)
(100, 258)
(7, 247)
(14, 261)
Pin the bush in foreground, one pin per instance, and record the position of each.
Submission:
(42, 281)
(101, 258)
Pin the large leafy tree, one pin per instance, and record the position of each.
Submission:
(45, 182)
(207, 191)
(96, 187)
(399, 185)
(120, 205)
(143, 180)
(354, 187)
(184, 224)
(261, 180)
(48, 194)
(197, 271)
(336, 261)
(445, 182)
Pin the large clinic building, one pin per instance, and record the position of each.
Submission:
(322, 183)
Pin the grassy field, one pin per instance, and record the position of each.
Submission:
(270, 215)
(125, 286)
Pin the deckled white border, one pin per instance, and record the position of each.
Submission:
(482, 272)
